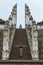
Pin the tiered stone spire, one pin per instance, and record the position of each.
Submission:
(28, 16)
(13, 16)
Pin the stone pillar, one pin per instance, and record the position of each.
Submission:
(26, 19)
(10, 20)
(34, 43)
(5, 53)
(14, 19)
(14, 15)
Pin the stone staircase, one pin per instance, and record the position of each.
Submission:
(20, 48)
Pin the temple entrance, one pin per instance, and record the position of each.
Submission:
(21, 15)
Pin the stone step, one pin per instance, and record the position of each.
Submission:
(20, 46)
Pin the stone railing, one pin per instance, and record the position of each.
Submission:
(21, 62)
(12, 33)
(32, 40)
(11, 38)
(29, 40)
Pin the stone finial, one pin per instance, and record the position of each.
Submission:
(20, 26)
(10, 18)
(31, 18)
(34, 22)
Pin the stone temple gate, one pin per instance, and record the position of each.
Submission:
(11, 30)
(21, 44)
(13, 16)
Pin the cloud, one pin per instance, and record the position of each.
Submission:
(36, 8)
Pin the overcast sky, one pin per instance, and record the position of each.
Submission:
(35, 6)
